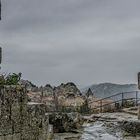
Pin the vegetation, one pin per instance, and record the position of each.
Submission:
(10, 79)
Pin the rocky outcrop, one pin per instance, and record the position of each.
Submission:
(48, 90)
(69, 89)
(74, 102)
(132, 127)
(65, 95)
(65, 122)
(29, 85)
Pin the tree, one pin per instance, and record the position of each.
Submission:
(10, 79)
(2, 79)
(13, 79)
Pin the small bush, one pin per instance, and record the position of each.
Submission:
(10, 79)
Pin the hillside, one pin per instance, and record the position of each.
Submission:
(108, 89)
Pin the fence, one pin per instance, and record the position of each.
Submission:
(112, 103)
(117, 101)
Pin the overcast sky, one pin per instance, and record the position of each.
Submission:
(81, 41)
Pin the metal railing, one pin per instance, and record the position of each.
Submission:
(118, 101)
(114, 102)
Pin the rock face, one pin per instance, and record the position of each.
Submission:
(65, 122)
(66, 96)
(48, 90)
(29, 85)
(131, 127)
(68, 89)
(20, 120)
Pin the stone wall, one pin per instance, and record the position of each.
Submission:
(20, 120)
(139, 80)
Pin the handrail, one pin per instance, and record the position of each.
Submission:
(136, 98)
(115, 96)
(119, 98)
(113, 102)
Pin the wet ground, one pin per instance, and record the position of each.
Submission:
(102, 129)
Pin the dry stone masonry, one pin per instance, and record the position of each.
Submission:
(20, 120)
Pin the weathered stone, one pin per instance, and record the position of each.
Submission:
(132, 127)
(47, 90)
(65, 122)
(20, 120)
(67, 89)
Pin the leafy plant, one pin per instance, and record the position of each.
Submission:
(2, 79)
(10, 79)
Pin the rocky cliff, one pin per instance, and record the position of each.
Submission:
(65, 95)
(68, 89)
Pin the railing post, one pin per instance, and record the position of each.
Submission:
(101, 106)
(136, 98)
(139, 110)
(122, 100)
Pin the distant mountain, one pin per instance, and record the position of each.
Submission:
(107, 89)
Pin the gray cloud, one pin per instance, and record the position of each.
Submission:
(82, 41)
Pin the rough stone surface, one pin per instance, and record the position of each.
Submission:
(132, 127)
(68, 89)
(18, 119)
(47, 90)
(65, 122)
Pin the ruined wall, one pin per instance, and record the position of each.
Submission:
(20, 120)
(139, 80)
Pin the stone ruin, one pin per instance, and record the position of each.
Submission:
(20, 120)
(139, 80)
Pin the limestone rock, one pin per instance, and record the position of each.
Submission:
(47, 90)
(20, 120)
(131, 127)
(69, 89)
(65, 122)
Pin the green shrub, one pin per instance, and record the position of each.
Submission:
(10, 79)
